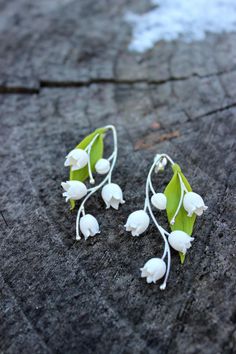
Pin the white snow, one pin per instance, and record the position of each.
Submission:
(188, 20)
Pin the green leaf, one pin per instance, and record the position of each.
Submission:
(72, 204)
(96, 153)
(173, 193)
(182, 257)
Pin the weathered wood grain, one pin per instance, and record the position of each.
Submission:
(65, 70)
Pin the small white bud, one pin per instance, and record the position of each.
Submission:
(102, 166)
(193, 203)
(89, 226)
(153, 270)
(74, 190)
(77, 159)
(159, 201)
(137, 222)
(160, 166)
(112, 195)
(180, 241)
(164, 162)
(157, 158)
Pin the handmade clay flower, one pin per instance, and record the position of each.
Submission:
(180, 241)
(89, 226)
(74, 190)
(193, 203)
(164, 161)
(112, 195)
(160, 166)
(102, 166)
(159, 201)
(153, 270)
(77, 158)
(137, 222)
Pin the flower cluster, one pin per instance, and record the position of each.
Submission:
(138, 222)
(112, 195)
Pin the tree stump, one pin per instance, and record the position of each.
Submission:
(66, 70)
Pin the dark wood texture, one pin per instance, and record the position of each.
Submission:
(65, 70)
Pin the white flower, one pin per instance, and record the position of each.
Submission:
(193, 203)
(159, 201)
(153, 270)
(160, 166)
(112, 195)
(74, 190)
(77, 158)
(102, 166)
(137, 222)
(157, 157)
(180, 241)
(89, 226)
(164, 162)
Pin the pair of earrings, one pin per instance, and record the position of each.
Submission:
(181, 204)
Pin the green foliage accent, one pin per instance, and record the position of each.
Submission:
(182, 257)
(173, 193)
(96, 153)
(72, 204)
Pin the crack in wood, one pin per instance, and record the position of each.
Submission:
(18, 90)
(3, 217)
(216, 110)
(4, 89)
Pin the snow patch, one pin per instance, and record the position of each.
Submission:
(188, 20)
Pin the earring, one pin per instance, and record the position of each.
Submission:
(182, 206)
(86, 158)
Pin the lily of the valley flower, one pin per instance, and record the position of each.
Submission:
(102, 166)
(180, 241)
(74, 190)
(160, 166)
(193, 203)
(89, 226)
(153, 270)
(112, 195)
(137, 222)
(159, 201)
(77, 158)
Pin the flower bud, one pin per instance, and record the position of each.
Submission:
(160, 166)
(159, 201)
(157, 157)
(180, 241)
(77, 159)
(89, 226)
(74, 190)
(137, 222)
(193, 203)
(112, 195)
(102, 166)
(164, 162)
(153, 270)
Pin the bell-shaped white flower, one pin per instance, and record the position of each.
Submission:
(112, 195)
(153, 270)
(137, 222)
(180, 241)
(160, 166)
(74, 190)
(77, 159)
(102, 166)
(159, 201)
(193, 203)
(89, 226)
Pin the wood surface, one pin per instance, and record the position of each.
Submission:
(65, 70)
